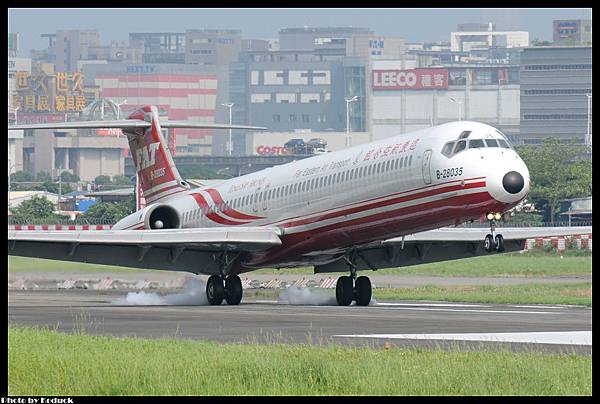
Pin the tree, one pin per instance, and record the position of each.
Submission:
(557, 173)
(21, 176)
(35, 208)
(43, 176)
(66, 176)
(121, 180)
(102, 180)
(111, 211)
(54, 187)
(200, 172)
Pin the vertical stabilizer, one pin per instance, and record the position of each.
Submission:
(157, 175)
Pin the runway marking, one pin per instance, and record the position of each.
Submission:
(562, 338)
(474, 311)
(432, 304)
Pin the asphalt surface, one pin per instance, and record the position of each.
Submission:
(99, 312)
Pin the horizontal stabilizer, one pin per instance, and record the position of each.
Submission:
(200, 125)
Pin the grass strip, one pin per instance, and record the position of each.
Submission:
(546, 293)
(45, 362)
(530, 264)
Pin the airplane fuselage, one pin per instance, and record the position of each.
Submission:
(329, 203)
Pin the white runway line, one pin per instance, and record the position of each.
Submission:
(431, 304)
(563, 338)
(473, 310)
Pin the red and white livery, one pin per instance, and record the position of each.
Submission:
(371, 206)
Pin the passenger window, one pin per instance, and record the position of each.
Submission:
(476, 143)
(491, 142)
(460, 145)
(447, 150)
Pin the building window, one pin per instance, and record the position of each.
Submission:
(305, 118)
(292, 118)
(559, 67)
(276, 118)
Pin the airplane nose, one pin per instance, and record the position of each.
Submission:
(513, 182)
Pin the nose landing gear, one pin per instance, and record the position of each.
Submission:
(493, 242)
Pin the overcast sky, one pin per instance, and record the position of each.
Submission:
(414, 25)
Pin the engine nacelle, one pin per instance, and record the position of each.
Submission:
(161, 217)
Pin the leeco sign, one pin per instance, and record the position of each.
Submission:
(416, 79)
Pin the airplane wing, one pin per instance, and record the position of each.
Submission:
(442, 245)
(130, 123)
(123, 124)
(200, 250)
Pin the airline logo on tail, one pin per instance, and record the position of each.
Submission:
(146, 156)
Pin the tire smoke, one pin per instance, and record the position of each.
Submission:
(305, 296)
(194, 294)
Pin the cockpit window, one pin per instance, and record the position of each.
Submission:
(491, 142)
(503, 143)
(460, 145)
(465, 134)
(447, 150)
(475, 143)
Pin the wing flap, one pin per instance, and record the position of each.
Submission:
(200, 125)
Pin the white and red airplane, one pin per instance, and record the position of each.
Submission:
(365, 207)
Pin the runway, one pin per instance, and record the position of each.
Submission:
(543, 328)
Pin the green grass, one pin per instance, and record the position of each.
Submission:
(547, 293)
(529, 264)
(37, 265)
(43, 362)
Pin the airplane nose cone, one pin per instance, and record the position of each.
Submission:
(513, 182)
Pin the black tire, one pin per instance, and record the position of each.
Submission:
(488, 244)
(215, 290)
(344, 291)
(499, 243)
(363, 291)
(233, 289)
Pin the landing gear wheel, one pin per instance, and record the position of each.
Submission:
(344, 291)
(488, 244)
(363, 291)
(233, 289)
(499, 243)
(215, 290)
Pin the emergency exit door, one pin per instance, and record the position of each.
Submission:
(426, 166)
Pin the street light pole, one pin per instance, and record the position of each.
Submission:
(348, 101)
(230, 144)
(588, 138)
(119, 108)
(459, 108)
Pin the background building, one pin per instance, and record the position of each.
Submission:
(572, 32)
(554, 84)
(471, 36)
(406, 98)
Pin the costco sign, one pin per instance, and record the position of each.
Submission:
(416, 79)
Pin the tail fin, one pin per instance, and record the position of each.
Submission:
(156, 170)
(157, 174)
(140, 201)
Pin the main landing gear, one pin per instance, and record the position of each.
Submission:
(493, 242)
(349, 288)
(219, 287)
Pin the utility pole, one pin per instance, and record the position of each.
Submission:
(348, 101)
(230, 144)
(588, 138)
(459, 108)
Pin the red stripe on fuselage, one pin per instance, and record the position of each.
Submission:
(213, 216)
(378, 226)
(383, 203)
(216, 196)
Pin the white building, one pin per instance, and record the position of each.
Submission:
(405, 99)
(464, 41)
